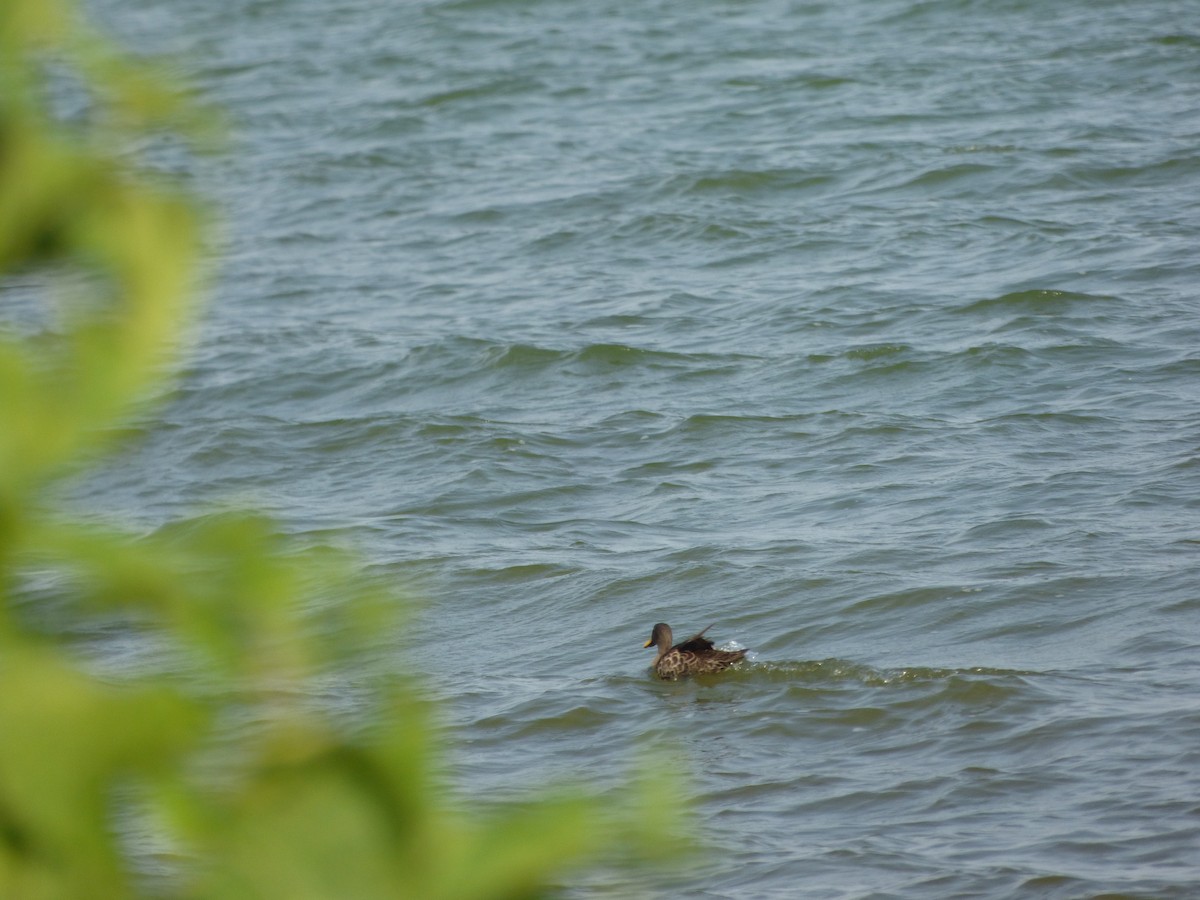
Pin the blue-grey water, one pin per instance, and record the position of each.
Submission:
(868, 331)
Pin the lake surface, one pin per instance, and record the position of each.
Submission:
(868, 331)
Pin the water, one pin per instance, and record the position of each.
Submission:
(865, 330)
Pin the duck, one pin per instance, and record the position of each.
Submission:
(695, 656)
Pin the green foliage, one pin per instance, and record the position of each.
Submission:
(219, 755)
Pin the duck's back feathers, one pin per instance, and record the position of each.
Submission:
(682, 663)
(697, 643)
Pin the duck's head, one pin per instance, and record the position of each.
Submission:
(660, 637)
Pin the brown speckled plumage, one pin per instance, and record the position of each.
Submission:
(695, 656)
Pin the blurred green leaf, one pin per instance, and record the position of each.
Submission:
(67, 738)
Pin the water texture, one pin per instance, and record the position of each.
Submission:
(865, 330)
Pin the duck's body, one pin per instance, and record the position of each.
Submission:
(695, 656)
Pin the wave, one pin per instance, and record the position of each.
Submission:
(834, 671)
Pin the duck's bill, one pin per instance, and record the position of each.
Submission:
(648, 643)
